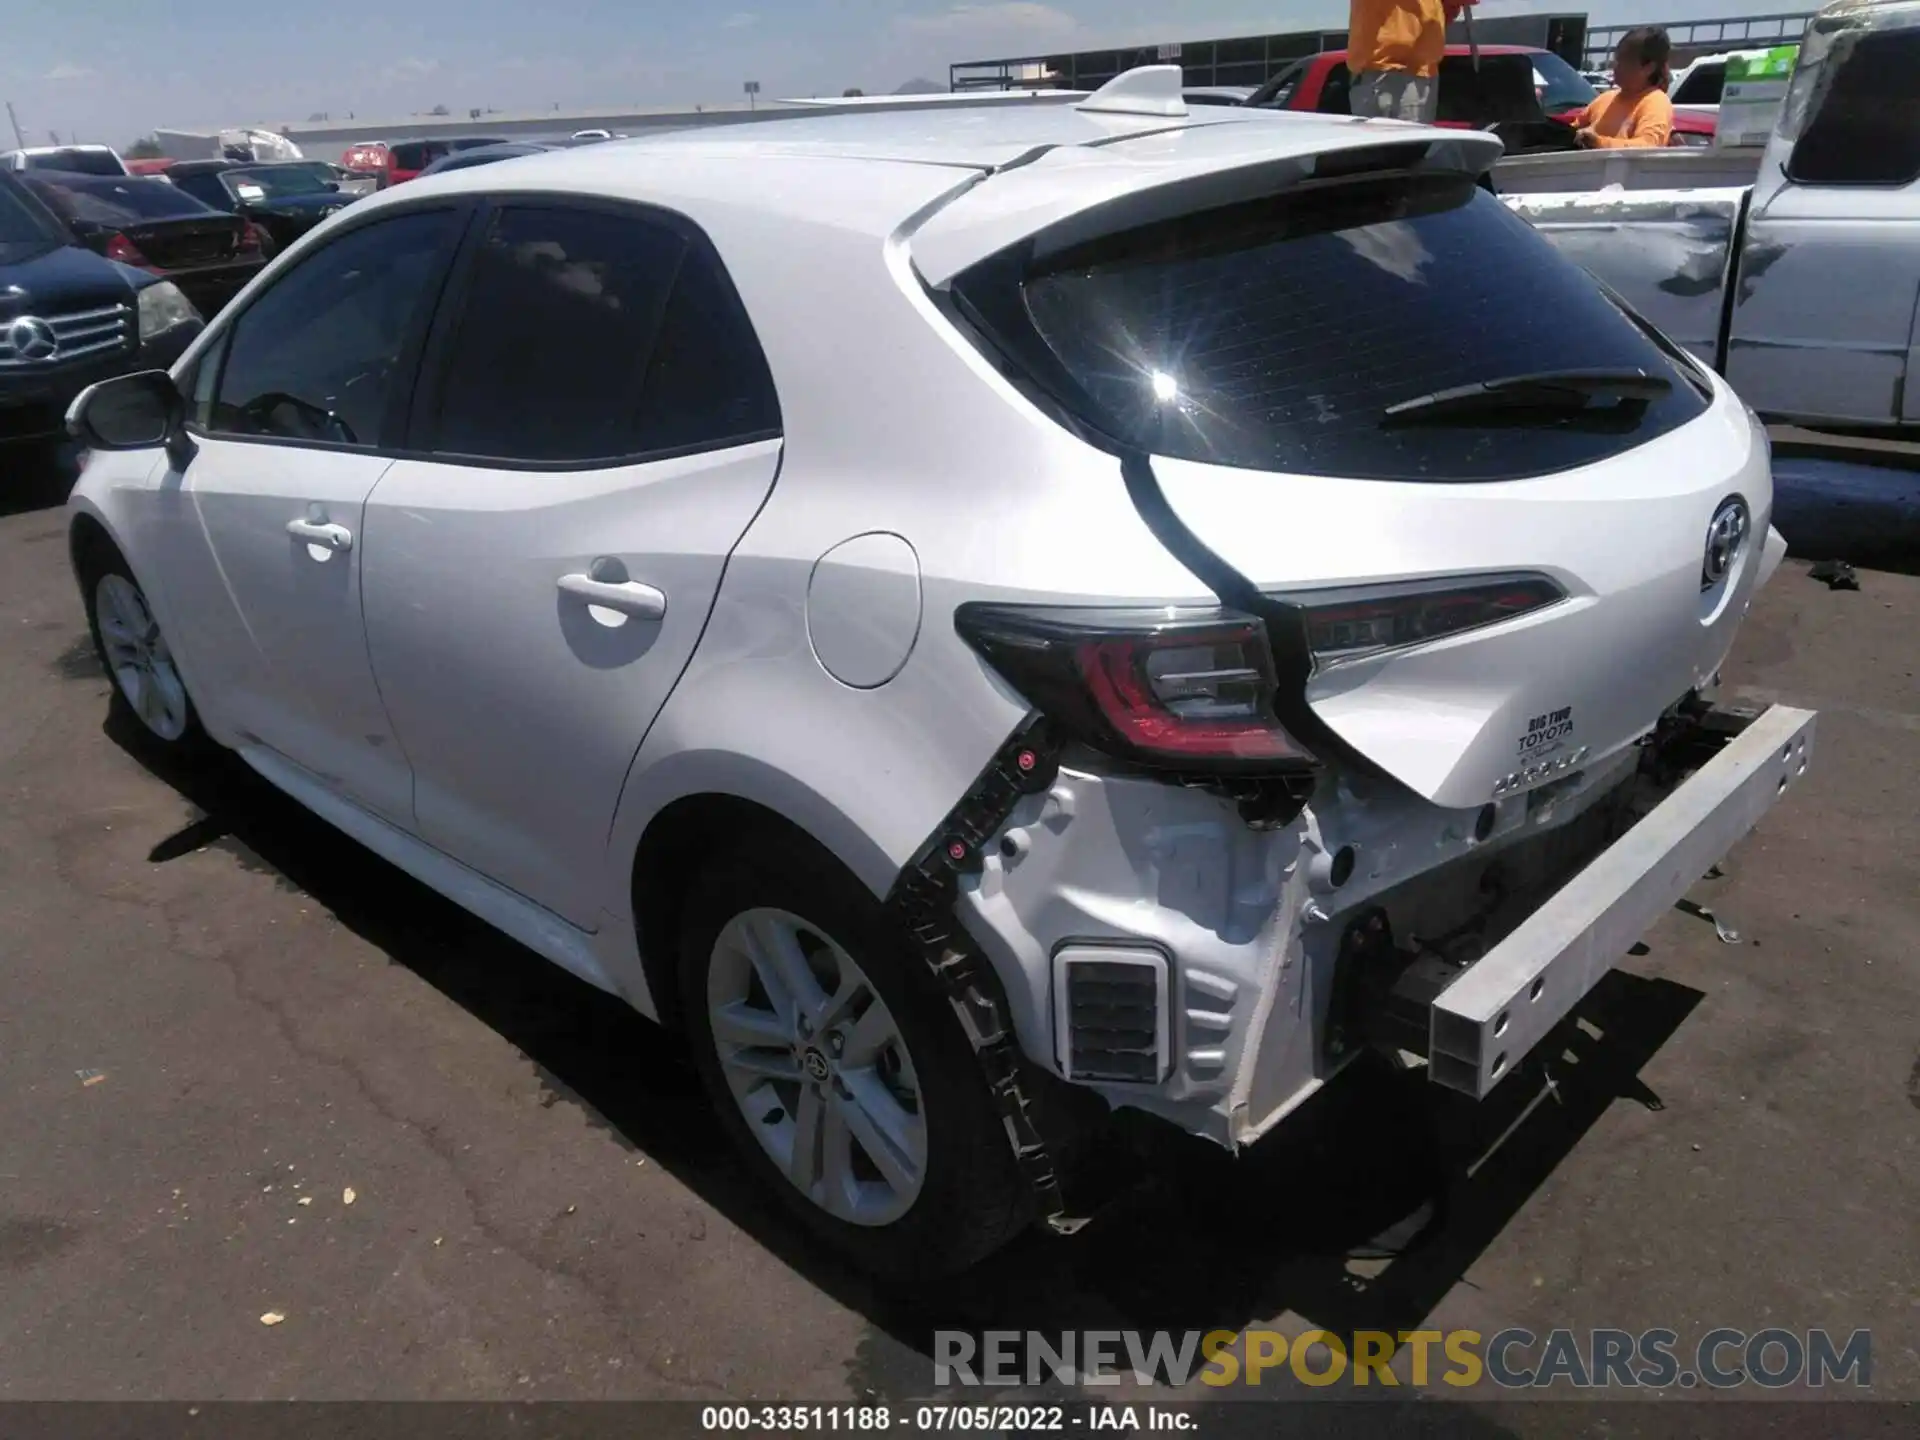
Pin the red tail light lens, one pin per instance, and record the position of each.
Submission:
(1192, 689)
(1348, 624)
(252, 238)
(127, 253)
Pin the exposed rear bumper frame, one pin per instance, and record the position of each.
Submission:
(1483, 1022)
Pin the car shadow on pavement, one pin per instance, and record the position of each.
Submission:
(1208, 1242)
(34, 476)
(1189, 1237)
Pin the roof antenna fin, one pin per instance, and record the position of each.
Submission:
(1143, 90)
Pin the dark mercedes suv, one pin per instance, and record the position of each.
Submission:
(69, 317)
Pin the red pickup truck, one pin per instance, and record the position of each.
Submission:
(1513, 84)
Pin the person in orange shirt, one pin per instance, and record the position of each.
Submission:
(1393, 53)
(1636, 112)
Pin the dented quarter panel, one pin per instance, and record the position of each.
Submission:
(1820, 306)
(1666, 252)
(1823, 311)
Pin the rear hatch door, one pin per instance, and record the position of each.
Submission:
(1302, 367)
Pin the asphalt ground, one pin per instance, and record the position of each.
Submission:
(218, 1017)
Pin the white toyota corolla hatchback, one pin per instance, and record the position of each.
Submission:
(977, 616)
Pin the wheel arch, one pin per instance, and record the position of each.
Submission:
(687, 827)
(89, 534)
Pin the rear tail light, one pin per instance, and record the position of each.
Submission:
(1186, 688)
(252, 237)
(1349, 624)
(127, 253)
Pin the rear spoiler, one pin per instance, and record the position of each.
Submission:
(1074, 193)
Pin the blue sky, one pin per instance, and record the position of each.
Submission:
(109, 70)
(113, 69)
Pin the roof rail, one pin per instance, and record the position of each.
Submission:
(1143, 90)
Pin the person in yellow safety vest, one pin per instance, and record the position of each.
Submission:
(1637, 112)
(1393, 53)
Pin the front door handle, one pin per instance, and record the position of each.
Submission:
(643, 602)
(317, 532)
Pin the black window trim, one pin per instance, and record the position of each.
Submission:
(218, 344)
(430, 377)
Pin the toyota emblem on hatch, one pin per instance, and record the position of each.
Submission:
(1726, 537)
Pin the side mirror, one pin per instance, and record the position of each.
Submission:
(129, 412)
(333, 185)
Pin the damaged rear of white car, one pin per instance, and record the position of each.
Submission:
(1120, 608)
(1429, 742)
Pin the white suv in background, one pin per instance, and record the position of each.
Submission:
(1066, 603)
(85, 159)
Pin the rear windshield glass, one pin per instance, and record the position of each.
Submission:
(1275, 335)
(417, 154)
(1562, 86)
(77, 162)
(276, 181)
(123, 202)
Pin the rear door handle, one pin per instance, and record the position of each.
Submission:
(316, 532)
(630, 597)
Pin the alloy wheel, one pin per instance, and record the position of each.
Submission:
(818, 1066)
(138, 657)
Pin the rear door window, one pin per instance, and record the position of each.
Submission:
(1703, 86)
(417, 154)
(593, 337)
(1276, 92)
(1275, 335)
(1335, 93)
(1501, 88)
(1866, 129)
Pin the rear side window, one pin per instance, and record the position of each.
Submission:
(1336, 92)
(106, 202)
(707, 382)
(1500, 88)
(591, 336)
(1866, 130)
(77, 162)
(1703, 85)
(1276, 92)
(1276, 335)
(207, 189)
(417, 154)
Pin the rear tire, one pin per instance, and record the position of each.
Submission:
(834, 1047)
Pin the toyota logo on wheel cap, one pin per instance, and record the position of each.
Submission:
(31, 338)
(1726, 538)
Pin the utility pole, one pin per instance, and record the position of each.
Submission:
(18, 138)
